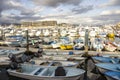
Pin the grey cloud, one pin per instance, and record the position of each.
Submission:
(7, 5)
(15, 4)
(112, 3)
(107, 19)
(27, 18)
(82, 9)
(55, 3)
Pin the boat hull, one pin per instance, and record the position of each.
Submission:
(36, 72)
(103, 67)
(112, 75)
(46, 78)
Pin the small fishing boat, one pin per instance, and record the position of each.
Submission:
(35, 72)
(110, 47)
(106, 59)
(7, 52)
(54, 63)
(62, 52)
(66, 46)
(112, 75)
(98, 44)
(63, 57)
(103, 67)
(4, 60)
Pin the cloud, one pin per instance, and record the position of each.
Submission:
(108, 17)
(9, 4)
(110, 12)
(55, 3)
(31, 11)
(111, 3)
(82, 9)
(23, 12)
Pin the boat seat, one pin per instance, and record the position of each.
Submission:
(53, 74)
(32, 73)
(50, 63)
(43, 71)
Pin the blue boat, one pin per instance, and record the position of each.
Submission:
(106, 59)
(108, 66)
(112, 75)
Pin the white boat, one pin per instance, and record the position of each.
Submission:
(98, 44)
(46, 32)
(7, 52)
(110, 47)
(4, 60)
(55, 63)
(15, 40)
(62, 52)
(35, 72)
(63, 57)
(38, 33)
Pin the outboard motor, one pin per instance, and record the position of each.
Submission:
(60, 71)
(24, 58)
(36, 54)
(13, 65)
(40, 50)
(12, 57)
(17, 49)
(39, 53)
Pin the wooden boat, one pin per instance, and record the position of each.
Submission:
(63, 58)
(66, 47)
(112, 75)
(62, 52)
(106, 59)
(63, 47)
(110, 47)
(16, 40)
(4, 60)
(35, 72)
(54, 63)
(103, 67)
(7, 52)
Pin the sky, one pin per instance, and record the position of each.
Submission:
(63, 11)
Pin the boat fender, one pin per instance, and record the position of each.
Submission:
(60, 71)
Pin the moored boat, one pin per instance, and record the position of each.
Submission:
(54, 63)
(35, 72)
(112, 75)
(103, 67)
(106, 59)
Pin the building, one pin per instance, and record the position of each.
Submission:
(39, 23)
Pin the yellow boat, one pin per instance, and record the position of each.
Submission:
(66, 47)
(69, 47)
(111, 35)
(63, 47)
